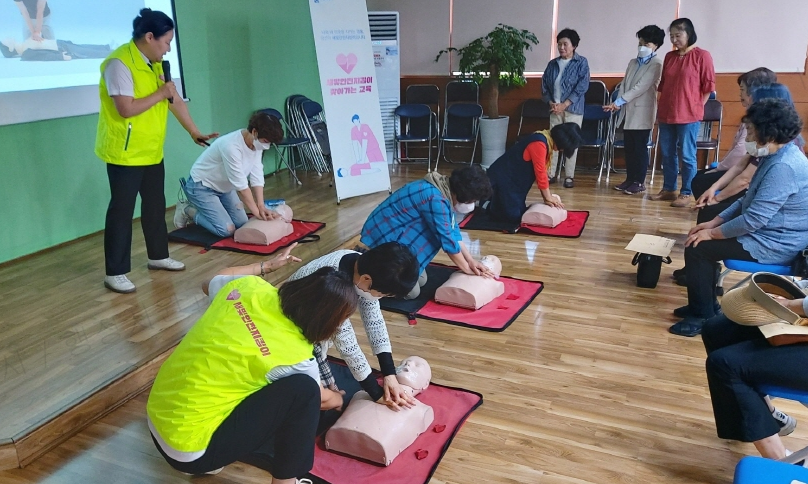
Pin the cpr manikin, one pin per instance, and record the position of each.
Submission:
(544, 215)
(472, 292)
(374, 432)
(265, 232)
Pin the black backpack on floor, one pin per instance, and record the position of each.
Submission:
(648, 269)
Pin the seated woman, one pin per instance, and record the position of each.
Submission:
(229, 176)
(421, 215)
(768, 225)
(527, 161)
(738, 360)
(244, 375)
(729, 184)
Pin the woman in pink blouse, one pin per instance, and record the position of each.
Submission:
(688, 78)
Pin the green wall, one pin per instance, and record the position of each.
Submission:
(238, 56)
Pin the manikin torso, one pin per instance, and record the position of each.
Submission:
(265, 232)
(372, 431)
(544, 215)
(472, 292)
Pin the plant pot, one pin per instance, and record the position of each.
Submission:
(493, 133)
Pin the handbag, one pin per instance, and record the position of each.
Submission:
(648, 268)
(755, 305)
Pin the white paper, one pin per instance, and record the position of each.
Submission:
(651, 244)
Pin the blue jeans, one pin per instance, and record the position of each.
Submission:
(219, 213)
(682, 136)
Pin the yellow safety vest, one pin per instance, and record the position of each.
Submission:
(135, 141)
(222, 360)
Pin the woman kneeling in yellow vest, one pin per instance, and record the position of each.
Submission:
(244, 376)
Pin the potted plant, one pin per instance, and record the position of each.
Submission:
(496, 62)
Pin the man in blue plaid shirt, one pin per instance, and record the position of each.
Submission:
(423, 215)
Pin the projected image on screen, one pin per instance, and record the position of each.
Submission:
(47, 44)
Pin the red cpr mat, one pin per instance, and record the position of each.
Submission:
(495, 316)
(196, 235)
(452, 406)
(573, 227)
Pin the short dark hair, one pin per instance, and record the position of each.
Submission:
(568, 33)
(685, 24)
(567, 136)
(756, 78)
(392, 267)
(774, 120)
(470, 184)
(653, 34)
(319, 302)
(153, 21)
(268, 127)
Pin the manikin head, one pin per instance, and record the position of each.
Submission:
(285, 211)
(415, 373)
(492, 262)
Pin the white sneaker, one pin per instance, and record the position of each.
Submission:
(209, 473)
(167, 264)
(120, 284)
(786, 422)
(181, 219)
(303, 481)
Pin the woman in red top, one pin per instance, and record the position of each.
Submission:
(688, 78)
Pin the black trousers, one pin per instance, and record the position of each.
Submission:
(284, 414)
(701, 268)
(700, 184)
(125, 182)
(739, 359)
(637, 160)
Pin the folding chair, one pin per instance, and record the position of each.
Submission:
(594, 131)
(596, 93)
(286, 144)
(410, 129)
(428, 94)
(533, 109)
(713, 113)
(462, 125)
(462, 91)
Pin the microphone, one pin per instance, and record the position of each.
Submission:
(167, 77)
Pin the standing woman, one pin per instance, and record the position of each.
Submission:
(637, 105)
(131, 132)
(563, 85)
(688, 78)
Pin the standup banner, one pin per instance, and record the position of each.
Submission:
(350, 96)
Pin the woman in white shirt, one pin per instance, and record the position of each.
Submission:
(229, 176)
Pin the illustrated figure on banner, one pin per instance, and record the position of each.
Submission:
(365, 147)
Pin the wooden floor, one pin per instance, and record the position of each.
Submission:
(587, 386)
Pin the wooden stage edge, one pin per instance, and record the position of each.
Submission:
(39, 439)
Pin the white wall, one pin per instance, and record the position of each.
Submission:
(740, 34)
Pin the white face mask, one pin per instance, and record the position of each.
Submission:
(259, 145)
(463, 208)
(644, 51)
(365, 294)
(753, 150)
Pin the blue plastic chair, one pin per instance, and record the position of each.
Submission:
(595, 132)
(749, 267)
(757, 470)
(410, 130)
(286, 144)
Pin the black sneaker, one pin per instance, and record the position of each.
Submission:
(634, 189)
(622, 186)
(786, 422)
(678, 272)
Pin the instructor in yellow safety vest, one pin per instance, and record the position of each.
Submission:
(135, 100)
(244, 377)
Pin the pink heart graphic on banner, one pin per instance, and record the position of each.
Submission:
(347, 62)
(234, 294)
